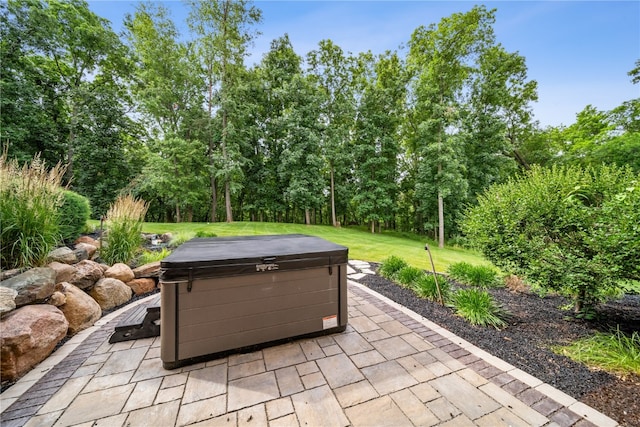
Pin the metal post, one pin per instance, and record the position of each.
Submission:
(435, 277)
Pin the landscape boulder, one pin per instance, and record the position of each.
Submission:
(27, 336)
(57, 299)
(34, 286)
(110, 292)
(81, 254)
(8, 274)
(64, 272)
(91, 249)
(142, 286)
(7, 299)
(151, 269)
(87, 274)
(63, 255)
(79, 308)
(120, 271)
(89, 240)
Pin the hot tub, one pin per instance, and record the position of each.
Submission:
(222, 295)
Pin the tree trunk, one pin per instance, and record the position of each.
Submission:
(178, 214)
(307, 216)
(227, 200)
(225, 124)
(440, 221)
(214, 199)
(214, 190)
(333, 200)
(373, 227)
(70, 145)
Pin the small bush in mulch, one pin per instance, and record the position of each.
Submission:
(475, 275)
(391, 266)
(407, 275)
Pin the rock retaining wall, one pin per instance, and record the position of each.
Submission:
(39, 307)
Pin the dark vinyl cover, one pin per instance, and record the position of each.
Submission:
(230, 256)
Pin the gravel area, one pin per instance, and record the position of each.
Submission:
(536, 325)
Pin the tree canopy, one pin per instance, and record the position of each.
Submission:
(404, 140)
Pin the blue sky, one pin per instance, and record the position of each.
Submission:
(579, 52)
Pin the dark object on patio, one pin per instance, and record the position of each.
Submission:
(142, 322)
(222, 295)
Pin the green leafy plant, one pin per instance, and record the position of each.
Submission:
(478, 308)
(29, 200)
(391, 266)
(179, 238)
(74, 213)
(615, 352)
(204, 233)
(407, 275)
(563, 229)
(425, 287)
(476, 275)
(147, 257)
(124, 227)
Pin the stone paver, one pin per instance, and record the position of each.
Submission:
(339, 370)
(390, 367)
(318, 407)
(381, 412)
(252, 390)
(388, 377)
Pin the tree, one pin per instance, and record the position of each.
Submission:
(565, 229)
(224, 31)
(166, 87)
(332, 73)
(64, 94)
(165, 84)
(82, 60)
(175, 173)
(275, 95)
(376, 137)
(441, 61)
(302, 163)
(497, 117)
(33, 116)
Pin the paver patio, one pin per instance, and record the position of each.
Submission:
(390, 367)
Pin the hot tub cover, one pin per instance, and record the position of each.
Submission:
(230, 256)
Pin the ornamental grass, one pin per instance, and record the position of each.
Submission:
(124, 227)
(30, 196)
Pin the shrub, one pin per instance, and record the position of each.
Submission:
(391, 266)
(181, 237)
(476, 275)
(147, 257)
(29, 199)
(459, 270)
(74, 213)
(407, 275)
(616, 352)
(563, 229)
(478, 308)
(205, 233)
(425, 287)
(124, 226)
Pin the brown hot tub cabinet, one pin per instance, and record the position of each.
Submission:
(237, 293)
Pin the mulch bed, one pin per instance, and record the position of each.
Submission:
(535, 326)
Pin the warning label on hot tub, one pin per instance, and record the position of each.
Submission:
(330, 322)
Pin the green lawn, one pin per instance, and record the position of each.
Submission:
(362, 244)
